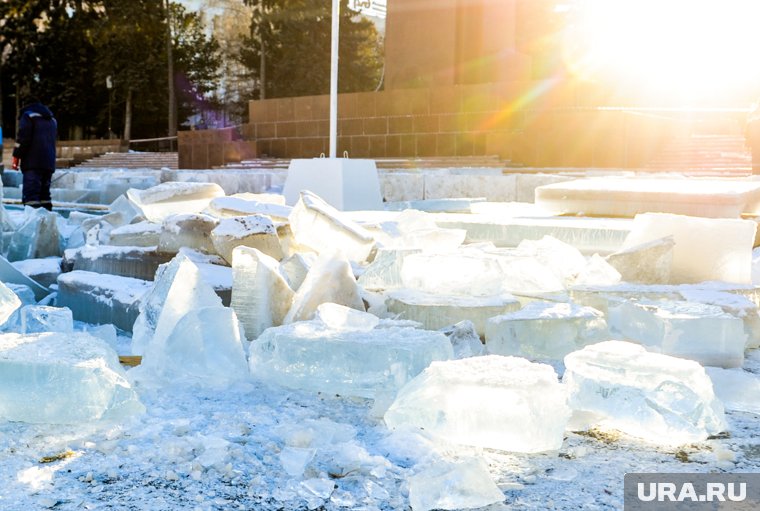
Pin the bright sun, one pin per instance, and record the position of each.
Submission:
(695, 49)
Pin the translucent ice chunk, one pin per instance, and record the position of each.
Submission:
(40, 318)
(324, 229)
(187, 230)
(340, 317)
(255, 231)
(260, 295)
(62, 379)
(135, 262)
(296, 267)
(179, 288)
(734, 304)
(37, 236)
(497, 402)
(11, 275)
(648, 263)
(240, 205)
(205, 346)
(453, 485)
(308, 355)
(9, 303)
(329, 280)
(436, 311)
(695, 331)
(123, 205)
(737, 389)
(464, 339)
(45, 271)
(97, 298)
(545, 330)
(141, 234)
(419, 230)
(661, 399)
(158, 202)
(564, 260)
(695, 259)
(385, 270)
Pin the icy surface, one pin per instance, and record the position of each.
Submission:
(45, 271)
(255, 231)
(170, 198)
(464, 339)
(40, 318)
(9, 302)
(62, 379)
(311, 356)
(737, 389)
(296, 267)
(664, 400)
(385, 270)
(36, 237)
(695, 259)
(450, 485)
(135, 262)
(179, 288)
(696, 331)
(140, 234)
(187, 230)
(239, 205)
(324, 229)
(648, 263)
(260, 295)
(340, 317)
(545, 330)
(329, 280)
(497, 402)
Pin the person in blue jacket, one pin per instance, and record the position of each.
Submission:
(34, 153)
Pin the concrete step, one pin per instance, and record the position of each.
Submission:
(133, 160)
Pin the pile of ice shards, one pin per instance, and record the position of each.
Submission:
(477, 343)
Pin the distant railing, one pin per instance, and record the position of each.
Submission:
(159, 144)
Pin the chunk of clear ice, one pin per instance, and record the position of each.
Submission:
(461, 484)
(255, 231)
(158, 202)
(42, 318)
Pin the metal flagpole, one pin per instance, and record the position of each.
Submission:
(334, 79)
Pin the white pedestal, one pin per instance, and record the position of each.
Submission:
(346, 184)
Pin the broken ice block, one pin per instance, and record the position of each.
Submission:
(97, 231)
(696, 331)
(45, 271)
(505, 403)
(187, 230)
(545, 330)
(695, 257)
(243, 204)
(60, 378)
(661, 399)
(255, 231)
(158, 202)
(562, 259)
(340, 317)
(737, 389)
(436, 311)
(464, 339)
(9, 303)
(324, 229)
(648, 263)
(260, 295)
(219, 278)
(205, 345)
(329, 280)
(453, 485)
(40, 318)
(135, 262)
(477, 273)
(296, 267)
(179, 288)
(101, 299)
(308, 355)
(419, 230)
(37, 237)
(123, 205)
(385, 270)
(141, 234)
(737, 305)
(11, 275)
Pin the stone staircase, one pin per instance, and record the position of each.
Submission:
(392, 163)
(132, 160)
(719, 154)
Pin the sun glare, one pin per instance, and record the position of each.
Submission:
(697, 49)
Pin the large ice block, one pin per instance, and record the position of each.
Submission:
(260, 295)
(737, 305)
(696, 331)
(648, 263)
(60, 378)
(464, 339)
(322, 228)
(9, 302)
(696, 256)
(385, 270)
(244, 204)
(417, 229)
(11, 275)
(329, 280)
(664, 400)
(205, 346)
(436, 311)
(613, 196)
(158, 202)
(453, 485)
(42, 318)
(737, 389)
(101, 299)
(135, 262)
(562, 259)
(505, 403)
(45, 271)
(124, 206)
(296, 267)
(36, 237)
(545, 330)
(140, 234)
(255, 231)
(191, 230)
(179, 288)
(365, 363)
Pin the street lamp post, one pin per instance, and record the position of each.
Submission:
(109, 86)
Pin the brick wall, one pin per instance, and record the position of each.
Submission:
(204, 149)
